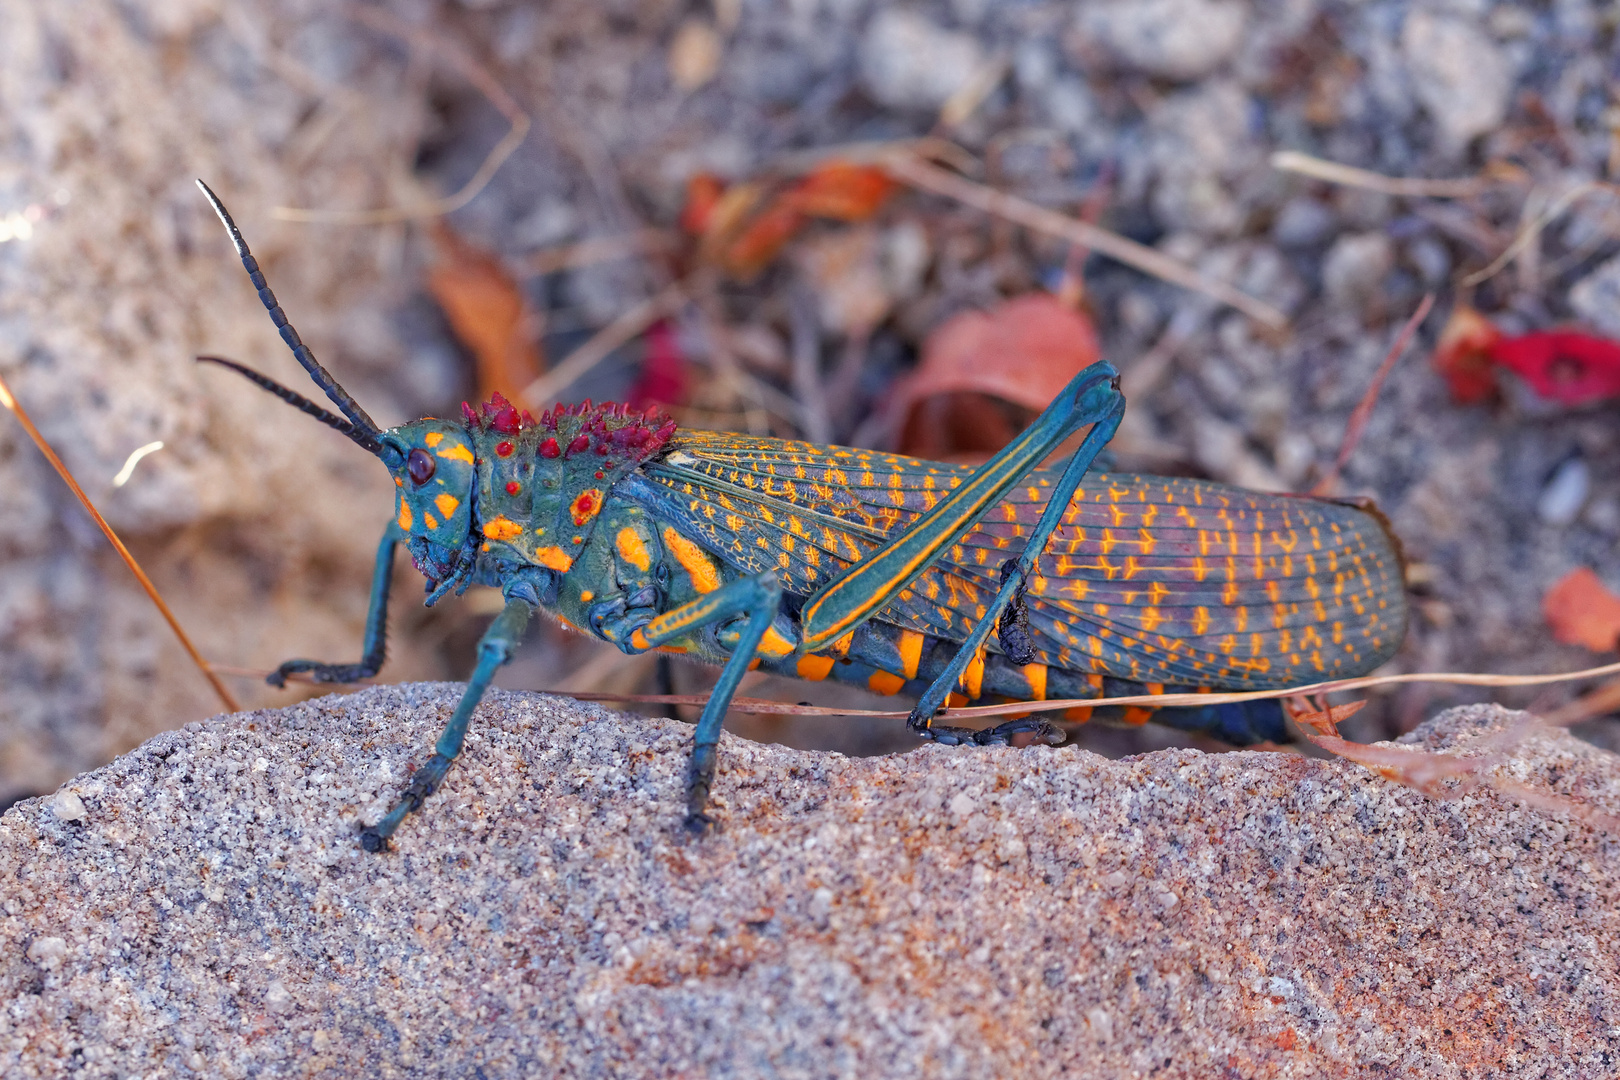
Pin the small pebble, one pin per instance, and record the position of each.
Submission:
(908, 62)
(1565, 493)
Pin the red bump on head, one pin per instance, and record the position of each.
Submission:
(470, 416)
(550, 449)
(581, 443)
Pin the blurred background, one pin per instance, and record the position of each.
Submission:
(829, 219)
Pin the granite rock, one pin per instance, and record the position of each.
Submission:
(200, 906)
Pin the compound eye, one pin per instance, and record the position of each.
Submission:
(420, 466)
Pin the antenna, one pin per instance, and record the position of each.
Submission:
(340, 397)
(298, 401)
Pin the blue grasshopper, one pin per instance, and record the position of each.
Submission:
(884, 571)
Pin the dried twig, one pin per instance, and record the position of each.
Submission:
(595, 250)
(910, 169)
(1531, 231)
(1364, 408)
(1295, 162)
(545, 390)
(8, 401)
(476, 74)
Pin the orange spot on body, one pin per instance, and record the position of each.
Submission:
(814, 667)
(884, 682)
(502, 528)
(1035, 675)
(911, 644)
(694, 560)
(774, 645)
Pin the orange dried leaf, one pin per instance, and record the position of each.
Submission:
(1462, 355)
(842, 191)
(761, 241)
(488, 314)
(1581, 611)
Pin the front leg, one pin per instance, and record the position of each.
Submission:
(376, 645)
(494, 649)
(758, 597)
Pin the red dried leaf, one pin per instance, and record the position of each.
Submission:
(663, 378)
(1024, 351)
(842, 191)
(488, 314)
(703, 193)
(1563, 365)
(1462, 355)
(1581, 611)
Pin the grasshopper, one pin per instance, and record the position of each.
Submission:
(876, 569)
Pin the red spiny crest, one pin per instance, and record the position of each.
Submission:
(608, 429)
(497, 414)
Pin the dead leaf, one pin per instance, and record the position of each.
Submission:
(488, 314)
(842, 191)
(664, 375)
(1563, 365)
(1462, 355)
(1582, 611)
(1022, 352)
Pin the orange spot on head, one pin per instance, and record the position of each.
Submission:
(456, 452)
(632, 550)
(586, 505)
(554, 558)
(447, 504)
(433, 438)
(405, 519)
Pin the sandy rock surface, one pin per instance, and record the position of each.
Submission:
(201, 907)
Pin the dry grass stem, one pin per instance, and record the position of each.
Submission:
(1317, 169)
(10, 402)
(910, 169)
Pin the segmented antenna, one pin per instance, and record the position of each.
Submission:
(323, 378)
(298, 401)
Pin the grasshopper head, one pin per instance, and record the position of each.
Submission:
(434, 473)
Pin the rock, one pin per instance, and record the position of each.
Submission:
(1596, 298)
(1459, 75)
(1172, 39)
(1356, 266)
(107, 113)
(546, 914)
(908, 62)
